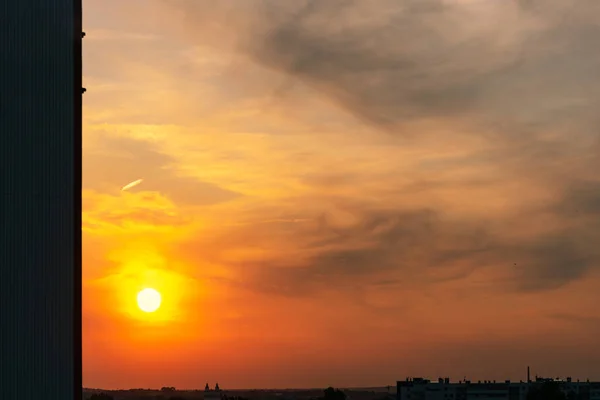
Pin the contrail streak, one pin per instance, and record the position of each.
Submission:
(132, 184)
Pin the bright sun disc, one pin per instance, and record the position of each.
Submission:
(148, 300)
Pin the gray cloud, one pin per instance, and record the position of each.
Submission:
(581, 199)
(414, 64)
(420, 247)
(549, 262)
(413, 247)
(392, 61)
(523, 73)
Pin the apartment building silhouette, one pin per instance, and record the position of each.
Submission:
(444, 389)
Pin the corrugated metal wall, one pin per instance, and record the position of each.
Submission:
(40, 199)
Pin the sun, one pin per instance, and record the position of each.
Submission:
(149, 300)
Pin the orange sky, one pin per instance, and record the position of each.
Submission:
(339, 192)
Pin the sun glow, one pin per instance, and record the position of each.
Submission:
(149, 300)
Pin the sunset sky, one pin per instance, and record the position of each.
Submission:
(340, 192)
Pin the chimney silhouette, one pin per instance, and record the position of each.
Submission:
(528, 376)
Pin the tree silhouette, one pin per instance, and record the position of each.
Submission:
(333, 394)
(549, 390)
(101, 396)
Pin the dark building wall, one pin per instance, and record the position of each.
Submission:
(40, 199)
